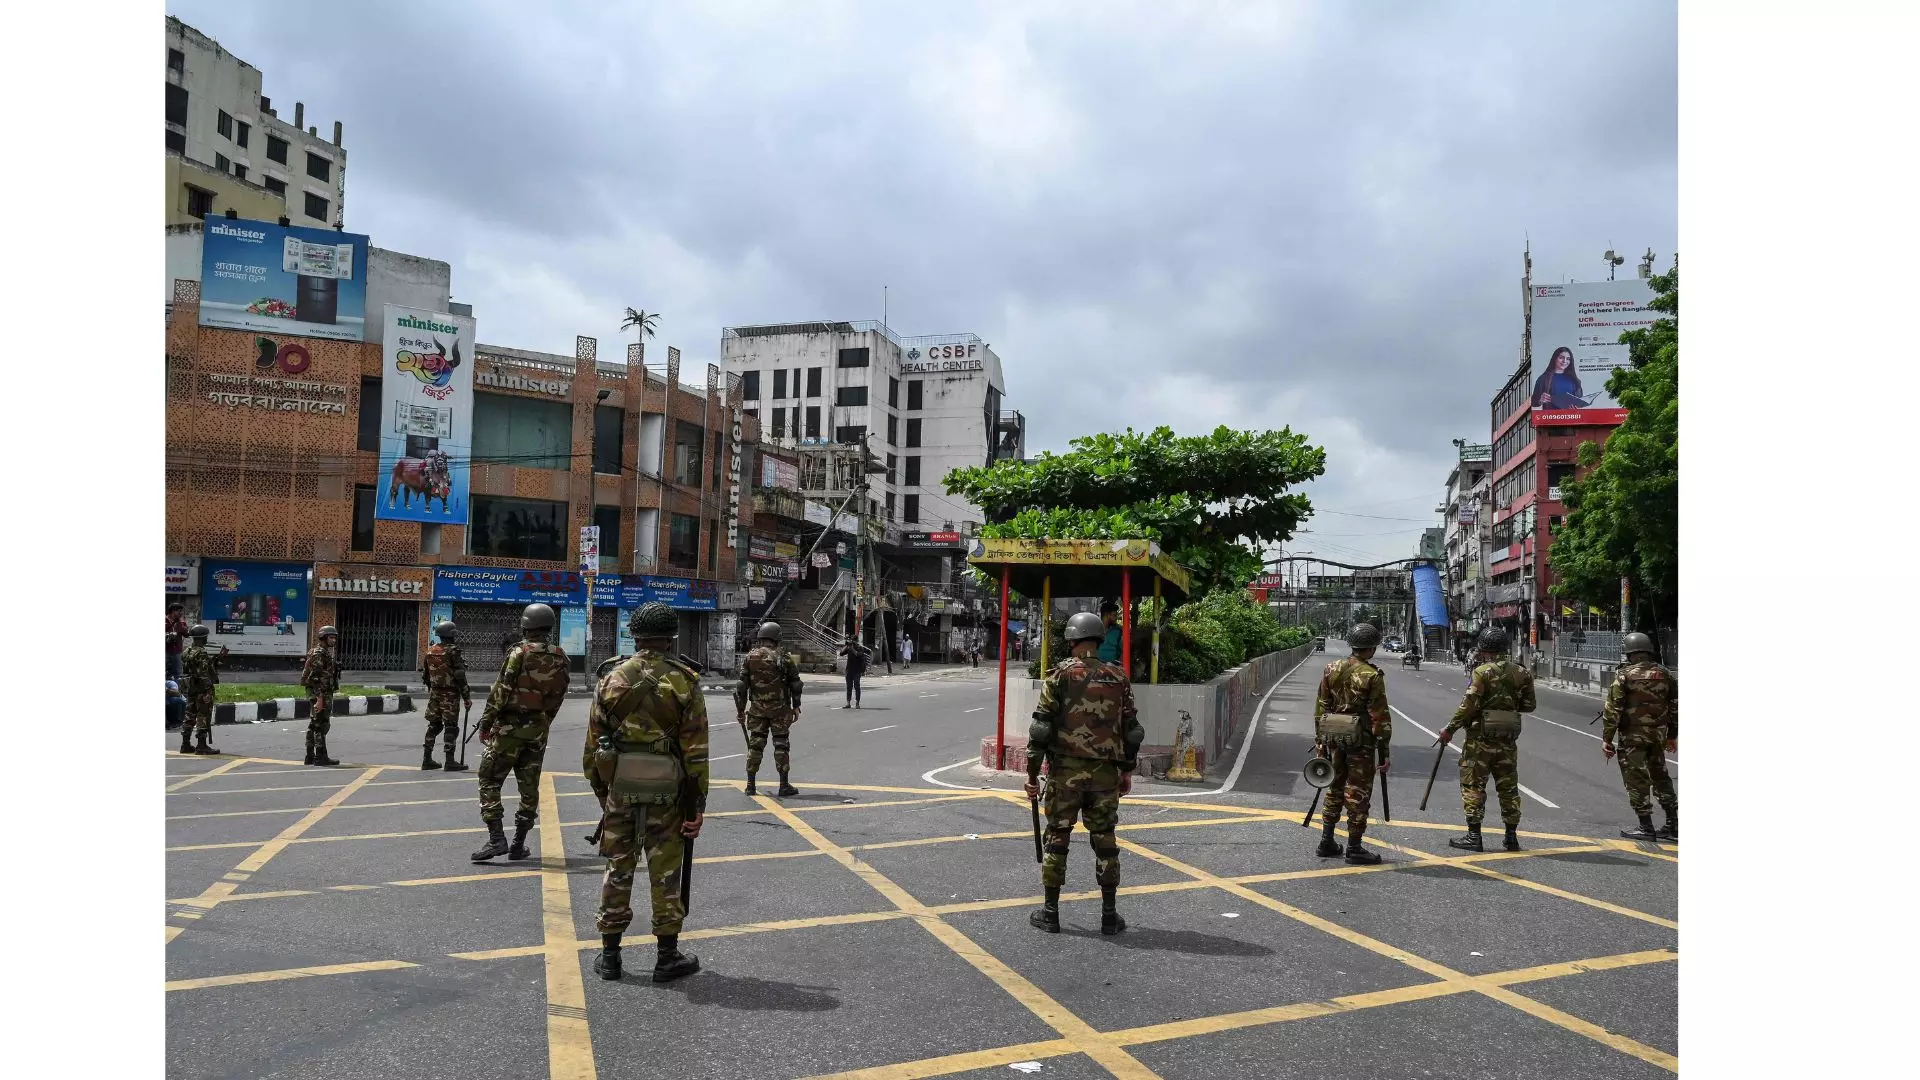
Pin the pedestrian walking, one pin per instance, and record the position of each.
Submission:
(200, 676)
(857, 660)
(766, 702)
(1642, 727)
(1501, 692)
(444, 670)
(519, 711)
(1353, 727)
(321, 677)
(906, 651)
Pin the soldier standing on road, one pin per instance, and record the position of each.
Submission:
(1501, 691)
(321, 677)
(648, 730)
(1643, 718)
(444, 670)
(767, 701)
(587, 767)
(1086, 728)
(199, 678)
(1351, 723)
(531, 688)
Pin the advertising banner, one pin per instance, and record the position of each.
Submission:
(255, 608)
(785, 551)
(931, 540)
(426, 417)
(183, 574)
(817, 513)
(573, 630)
(681, 594)
(283, 279)
(483, 585)
(775, 473)
(760, 547)
(1576, 345)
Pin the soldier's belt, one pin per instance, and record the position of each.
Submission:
(1338, 728)
(1500, 724)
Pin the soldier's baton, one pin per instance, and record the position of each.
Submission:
(1307, 822)
(1440, 754)
(1033, 805)
(686, 874)
(1386, 796)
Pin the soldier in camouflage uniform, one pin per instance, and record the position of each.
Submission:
(1643, 719)
(444, 670)
(1352, 725)
(1087, 730)
(650, 707)
(1501, 691)
(767, 701)
(531, 688)
(321, 677)
(198, 677)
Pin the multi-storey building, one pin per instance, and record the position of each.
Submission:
(1466, 487)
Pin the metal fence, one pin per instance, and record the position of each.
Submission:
(1604, 646)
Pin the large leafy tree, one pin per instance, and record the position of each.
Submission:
(1210, 500)
(1623, 517)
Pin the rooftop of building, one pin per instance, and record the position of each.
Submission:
(858, 326)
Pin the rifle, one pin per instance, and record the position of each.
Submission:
(1440, 754)
(1033, 805)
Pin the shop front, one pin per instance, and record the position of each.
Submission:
(696, 601)
(381, 612)
(486, 602)
(183, 584)
(256, 610)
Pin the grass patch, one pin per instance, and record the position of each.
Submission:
(230, 692)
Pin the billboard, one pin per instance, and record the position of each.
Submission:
(255, 608)
(480, 584)
(1576, 346)
(426, 417)
(283, 279)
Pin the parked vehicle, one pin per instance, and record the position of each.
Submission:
(1320, 644)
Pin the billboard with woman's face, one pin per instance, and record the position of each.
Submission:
(1576, 346)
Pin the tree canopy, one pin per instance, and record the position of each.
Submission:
(1211, 501)
(1623, 518)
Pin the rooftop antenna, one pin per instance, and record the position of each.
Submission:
(1612, 261)
(883, 305)
(1646, 265)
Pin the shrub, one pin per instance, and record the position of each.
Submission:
(1201, 639)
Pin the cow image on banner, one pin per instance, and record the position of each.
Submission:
(426, 423)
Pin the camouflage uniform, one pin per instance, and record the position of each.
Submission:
(1643, 711)
(768, 692)
(321, 677)
(1500, 685)
(531, 688)
(198, 678)
(1095, 734)
(444, 670)
(1354, 686)
(653, 703)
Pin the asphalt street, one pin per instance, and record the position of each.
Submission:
(327, 922)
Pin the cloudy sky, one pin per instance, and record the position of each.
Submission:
(1193, 214)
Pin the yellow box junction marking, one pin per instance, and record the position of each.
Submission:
(569, 1042)
(215, 771)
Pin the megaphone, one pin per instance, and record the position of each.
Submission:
(1318, 772)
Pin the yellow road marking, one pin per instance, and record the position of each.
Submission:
(1439, 971)
(569, 1042)
(1075, 1030)
(215, 771)
(329, 787)
(300, 809)
(286, 973)
(1436, 860)
(959, 1063)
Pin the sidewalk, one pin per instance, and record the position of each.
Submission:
(408, 682)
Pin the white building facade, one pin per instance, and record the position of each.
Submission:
(1468, 524)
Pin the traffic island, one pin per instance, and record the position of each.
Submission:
(299, 708)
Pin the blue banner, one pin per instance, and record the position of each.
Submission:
(426, 423)
(279, 279)
(573, 630)
(1427, 597)
(255, 608)
(481, 584)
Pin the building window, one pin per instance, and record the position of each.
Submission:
(176, 142)
(913, 431)
(852, 358)
(850, 434)
(750, 386)
(813, 421)
(893, 463)
(1559, 472)
(370, 414)
(221, 163)
(607, 421)
(526, 432)
(686, 455)
(176, 61)
(813, 382)
(278, 187)
(913, 471)
(913, 395)
(276, 149)
(848, 397)
(779, 420)
(911, 515)
(505, 528)
(176, 105)
(242, 131)
(608, 520)
(316, 206)
(893, 431)
(239, 172)
(889, 506)
(893, 392)
(362, 518)
(780, 385)
(683, 542)
(224, 125)
(318, 167)
(199, 202)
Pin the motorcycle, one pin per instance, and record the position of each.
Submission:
(1410, 659)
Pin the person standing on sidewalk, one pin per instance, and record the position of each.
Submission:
(321, 677)
(176, 638)
(444, 670)
(531, 688)
(857, 660)
(1643, 717)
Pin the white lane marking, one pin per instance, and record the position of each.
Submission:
(1246, 743)
(982, 708)
(885, 727)
(725, 757)
(1671, 759)
(929, 777)
(1524, 789)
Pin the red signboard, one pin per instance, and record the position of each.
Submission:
(1579, 417)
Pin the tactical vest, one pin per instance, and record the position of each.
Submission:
(1500, 710)
(1648, 696)
(439, 668)
(766, 682)
(543, 670)
(647, 768)
(1092, 695)
(1346, 721)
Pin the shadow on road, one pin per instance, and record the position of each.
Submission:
(1190, 942)
(748, 993)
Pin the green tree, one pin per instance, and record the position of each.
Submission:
(641, 321)
(1623, 517)
(1212, 501)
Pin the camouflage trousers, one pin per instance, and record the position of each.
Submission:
(1100, 812)
(322, 719)
(622, 839)
(758, 729)
(199, 713)
(1498, 758)
(522, 752)
(443, 714)
(1643, 766)
(1351, 789)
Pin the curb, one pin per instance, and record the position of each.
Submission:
(288, 708)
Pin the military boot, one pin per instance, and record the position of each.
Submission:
(519, 848)
(751, 790)
(1110, 921)
(671, 963)
(309, 758)
(1643, 832)
(202, 742)
(186, 738)
(320, 751)
(1048, 917)
(1671, 830)
(607, 964)
(1329, 847)
(426, 758)
(1471, 841)
(496, 843)
(1512, 842)
(786, 789)
(1358, 855)
(452, 765)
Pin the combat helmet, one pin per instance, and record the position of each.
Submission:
(444, 631)
(198, 632)
(1364, 636)
(1085, 626)
(1493, 640)
(537, 618)
(327, 632)
(654, 619)
(769, 631)
(1637, 642)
